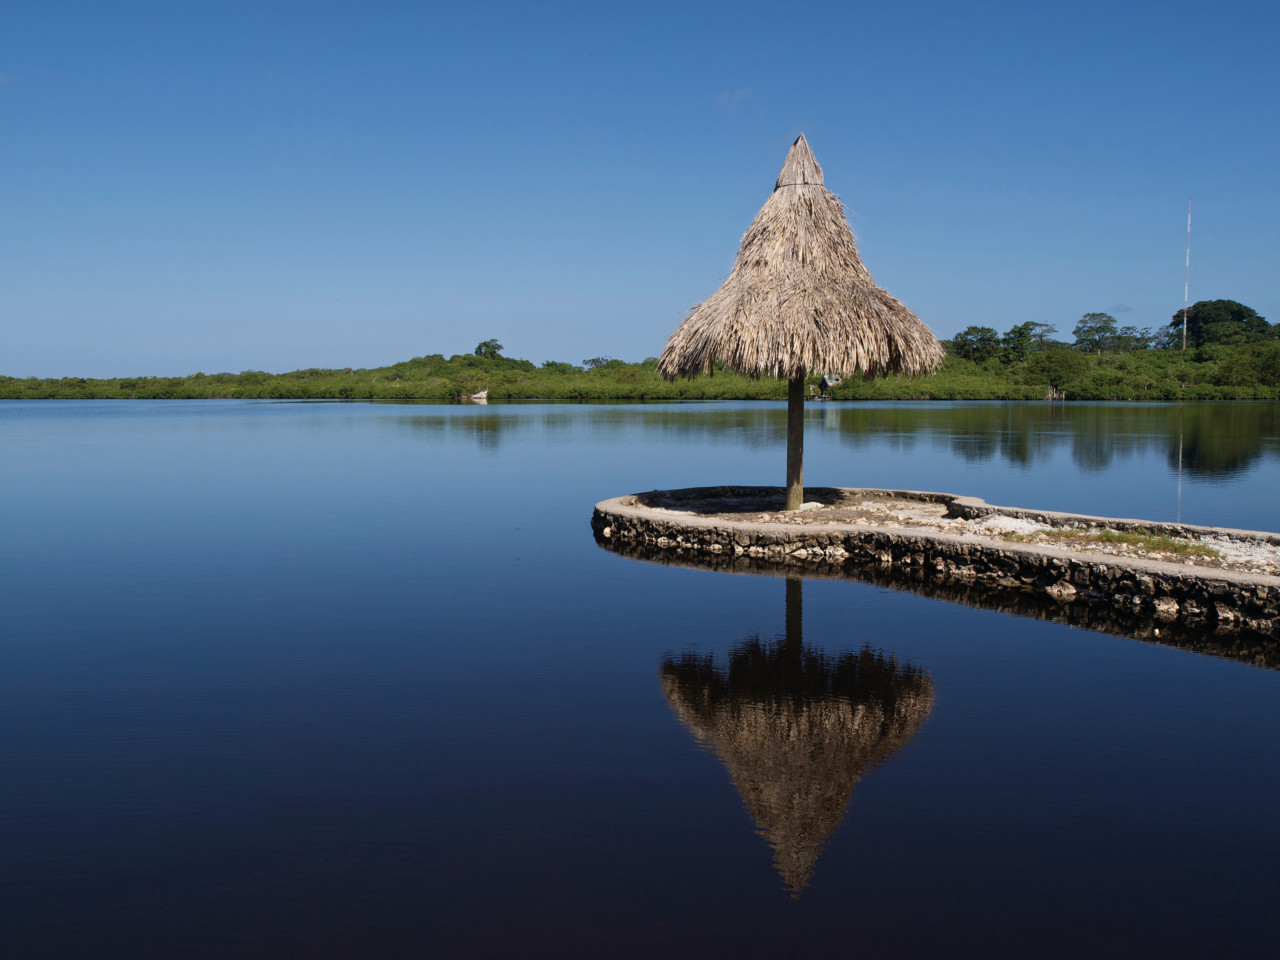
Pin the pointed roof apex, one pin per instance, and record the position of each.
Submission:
(800, 166)
(799, 299)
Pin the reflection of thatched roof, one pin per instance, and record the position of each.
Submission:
(799, 299)
(796, 729)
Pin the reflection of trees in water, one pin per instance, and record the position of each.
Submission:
(1218, 439)
(486, 430)
(1101, 433)
(982, 432)
(756, 427)
(797, 728)
(1020, 432)
(975, 447)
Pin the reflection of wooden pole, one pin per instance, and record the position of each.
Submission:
(795, 604)
(795, 443)
(1179, 517)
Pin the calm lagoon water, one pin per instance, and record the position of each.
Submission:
(354, 680)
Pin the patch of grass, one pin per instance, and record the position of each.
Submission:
(1145, 540)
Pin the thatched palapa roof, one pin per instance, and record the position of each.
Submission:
(799, 299)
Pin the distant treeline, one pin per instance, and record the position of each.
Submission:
(1245, 372)
(1023, 364)
(1203, 440)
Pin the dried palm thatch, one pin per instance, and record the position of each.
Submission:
(800, 301)
(795, 760)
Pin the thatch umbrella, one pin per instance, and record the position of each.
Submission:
(800, 301)
(797, 730)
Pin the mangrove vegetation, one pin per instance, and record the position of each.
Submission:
(1231, 354)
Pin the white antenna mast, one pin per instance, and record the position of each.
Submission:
(1186, 283)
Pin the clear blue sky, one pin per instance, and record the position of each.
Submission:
(223, 186)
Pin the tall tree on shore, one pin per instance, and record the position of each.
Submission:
(976, 344)
(1018, 341)
(1224, 321)
(1095, 332)
(1043, 333)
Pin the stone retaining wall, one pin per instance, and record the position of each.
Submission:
(1188, 594)
(1081, 611)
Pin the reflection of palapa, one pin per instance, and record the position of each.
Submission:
(796, 730)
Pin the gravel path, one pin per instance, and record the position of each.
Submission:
(1222, 552)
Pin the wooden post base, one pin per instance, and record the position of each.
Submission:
(795, 443)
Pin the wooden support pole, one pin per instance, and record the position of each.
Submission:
(795, 617)
(795, 443)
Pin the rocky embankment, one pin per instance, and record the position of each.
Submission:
(1178, 573)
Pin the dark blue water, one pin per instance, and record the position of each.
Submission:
(345, 680)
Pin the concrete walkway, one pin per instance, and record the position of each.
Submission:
(1178, 573)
